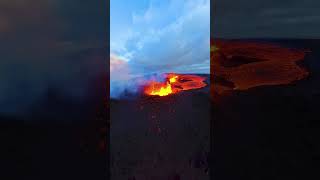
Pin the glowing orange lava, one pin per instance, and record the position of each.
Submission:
(159, 89)
(173, 79)
(173, 84)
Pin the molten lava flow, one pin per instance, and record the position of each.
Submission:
(173, 84)
(173, 79)
(163, 91)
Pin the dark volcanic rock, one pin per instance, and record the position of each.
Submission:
(158, 135)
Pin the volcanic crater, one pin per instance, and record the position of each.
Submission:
(241, 65)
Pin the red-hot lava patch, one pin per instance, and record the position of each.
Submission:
(174, 83)
(239, 65)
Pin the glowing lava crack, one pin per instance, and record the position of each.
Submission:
(174, 83)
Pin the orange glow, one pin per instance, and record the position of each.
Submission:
(173, 79)
(162, 90)
(174, 84)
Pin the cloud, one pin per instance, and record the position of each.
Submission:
(146, 17)
(165, 38)
(118, 68)
(119, 75)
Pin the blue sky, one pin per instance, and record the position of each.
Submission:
(148, 36)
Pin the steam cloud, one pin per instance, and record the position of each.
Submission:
(122, 81)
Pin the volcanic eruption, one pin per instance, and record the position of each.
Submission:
(174, 83)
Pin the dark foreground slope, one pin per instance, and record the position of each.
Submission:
(161, 138)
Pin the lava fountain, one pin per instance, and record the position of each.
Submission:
(174, 83)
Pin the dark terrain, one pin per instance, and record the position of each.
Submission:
(161, 138)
